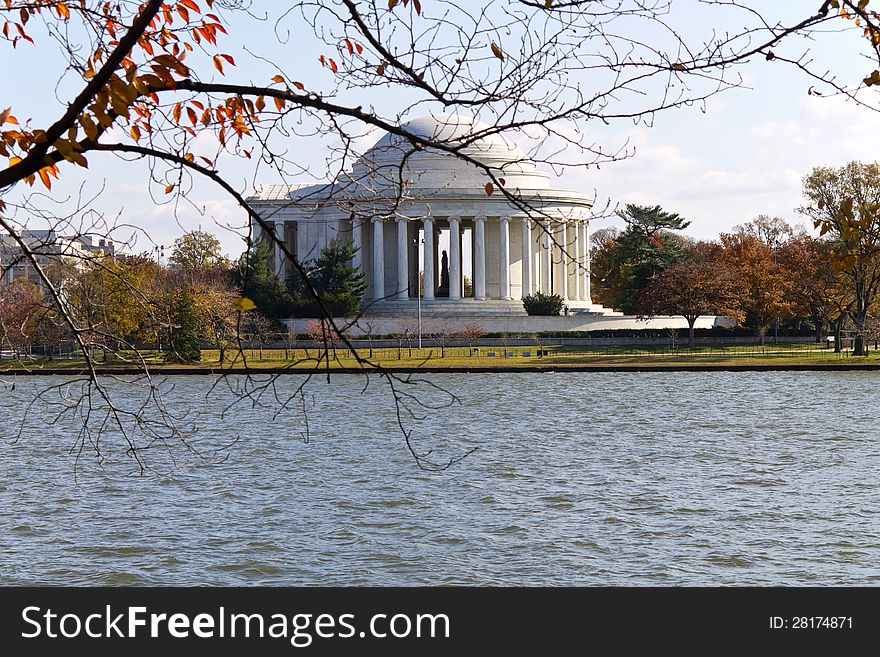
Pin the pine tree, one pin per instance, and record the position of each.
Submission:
(183, 344)
(339, 284)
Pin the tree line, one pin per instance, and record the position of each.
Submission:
(197, 298)
(765, 272)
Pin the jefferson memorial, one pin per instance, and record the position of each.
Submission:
(423, 214)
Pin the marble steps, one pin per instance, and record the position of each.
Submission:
(445, 308)
(470, 308)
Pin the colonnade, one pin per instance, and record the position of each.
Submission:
(555, 257)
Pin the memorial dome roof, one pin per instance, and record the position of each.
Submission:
(436, 168)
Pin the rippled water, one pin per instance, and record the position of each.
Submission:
(580, 478)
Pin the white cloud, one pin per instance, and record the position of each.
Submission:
(738, 170)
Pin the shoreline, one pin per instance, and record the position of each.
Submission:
(454, 369)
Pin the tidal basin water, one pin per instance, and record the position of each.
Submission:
(579, 479)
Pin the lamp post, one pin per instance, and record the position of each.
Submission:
(421, 284)
(160, 253)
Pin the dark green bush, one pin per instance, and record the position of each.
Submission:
(543, 304)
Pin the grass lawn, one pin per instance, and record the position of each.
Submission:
(554, 356)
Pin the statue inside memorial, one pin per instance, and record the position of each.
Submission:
(443, 291)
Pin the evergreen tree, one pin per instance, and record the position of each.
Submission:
(339, 284)
(625, 263)
(255, 275)
(649, 221)
(183, 344)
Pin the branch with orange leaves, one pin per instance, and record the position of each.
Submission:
(34, 160)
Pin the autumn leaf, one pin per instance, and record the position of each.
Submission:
(44, 177)
(169, 189)
(135, 132)
(497, 51)
(489, 188)
(218, 63)
(278, 78)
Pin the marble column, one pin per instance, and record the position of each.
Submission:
(378, 258)
(357, 241)
(564, 258)
(578, 262)
(504, 258)
(428, 271)
(279, 252)
(480, 258)
(402, 259)
(454, 258)
(587, 292)
(546, 260)
(526, 257)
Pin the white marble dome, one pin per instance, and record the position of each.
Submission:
(434, 169)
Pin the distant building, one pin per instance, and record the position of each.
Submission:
(50, 249)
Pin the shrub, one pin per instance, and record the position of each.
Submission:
(543, 304)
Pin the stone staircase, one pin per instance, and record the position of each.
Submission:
(470, 308)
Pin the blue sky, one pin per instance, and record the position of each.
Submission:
(742, 154)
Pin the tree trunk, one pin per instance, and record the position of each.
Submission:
(859, 321)
(691, 321)
(860, 345)
(820, 328)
